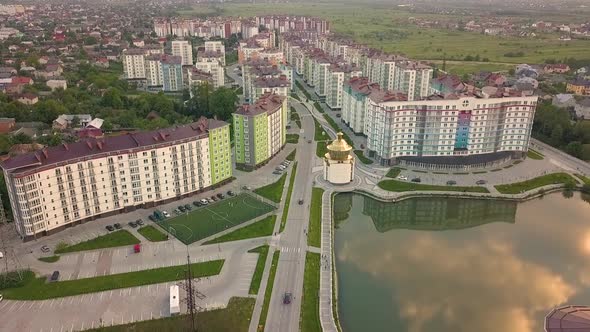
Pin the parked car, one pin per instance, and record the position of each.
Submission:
(117, 226)
(416, 180)
(166, 214)
(181, 208)
(152, 218)
(338, 115)
(197, 203)
(301, 201)
(276, 172)
(451, 183)
(231, 193)
(45, 248)
(204, 201)
(54, 276)
(210, 201)
(132, 224)
(402, 178)
(1, 297)
(221, 196)
(308, 141)
(278, 168)
(480, 182)
(139, 222)
(247, 188)
(214, 198)
(188, 207)
(109, 228)
(287, 298)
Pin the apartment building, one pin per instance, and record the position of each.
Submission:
(355, 100)
(275, 85)
(134, 63)
(172, 76)
(412, 78)
(195, 77)
(262, 68)
(213, 67)
(208, 56)
(184, 50)
(153, 71)
(337, 75)
(65, 185)
(321, 70)
(259, 130)
(491, 123)
(216, 47)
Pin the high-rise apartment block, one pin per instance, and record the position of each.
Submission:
(184, 50)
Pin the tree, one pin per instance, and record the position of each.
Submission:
(223, 103)
(557, 135)
(574, 148)
(21, 139)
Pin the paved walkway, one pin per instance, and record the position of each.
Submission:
(326, 299)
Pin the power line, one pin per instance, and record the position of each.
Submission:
(192, 293)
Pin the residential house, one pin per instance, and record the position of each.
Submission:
(66, 121)
(7, 125)
(57, 84)
(28, 99)
(579, 86)
(557, 68)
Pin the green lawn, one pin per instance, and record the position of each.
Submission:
(268, 290)
(39, 289)
(302, 89)
(337, 129)
(315, 218)
(115, 239)
(318, 107)
(273, 191)
(534, 155)
(152, 233)
(362, 158)
(259, 270)
(292, 138)
(320, 134)
(208, 220)
(519, 187)
(321, 149)
(234, 318)
(401, 186)
(260, 228)
(291, 155)
(393, 172)
(310, 304)
(288, 200)
(49, 259)
(294, 115)
(585, 179)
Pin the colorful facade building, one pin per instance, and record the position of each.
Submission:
(260, 130)
(65, 185)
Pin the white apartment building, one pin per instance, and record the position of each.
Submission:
(215, 46)
(183, 49)
(153, 70)
(215, 69)
(492, 123)
(337, 75)
(320, 76)
(355, 99)
(134, 63)
(412, 78)
(69, 184)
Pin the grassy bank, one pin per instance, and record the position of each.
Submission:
(292, 138)
(260, 228)
(49, 259)
(39, 289)
(291, 155)
(534, 155)
(152, 234)
(273, 191)
(362, 158)
(314, 231)
(234, 318)
(114, 239)
(268, 290)
(319, 134)
(259, 270)
(310, 304)
(393, 172)
(401, 186)
(519, 187)
(288, 200)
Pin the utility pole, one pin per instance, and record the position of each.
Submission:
(192, 293)
(7, 253)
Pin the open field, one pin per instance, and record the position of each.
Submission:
(234, 318)
(386, 27)
(110, 240)
(38, 288)
(519, 187)
(273, 191)
(152, 234)
(208, 220)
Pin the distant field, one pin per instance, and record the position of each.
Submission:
(386, 27)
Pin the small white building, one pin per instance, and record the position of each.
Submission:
(57, 84)
(339, 162)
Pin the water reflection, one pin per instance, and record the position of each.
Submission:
(504, 276)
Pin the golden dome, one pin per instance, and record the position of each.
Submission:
(339, 149)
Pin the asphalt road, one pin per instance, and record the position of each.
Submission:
(289, 278)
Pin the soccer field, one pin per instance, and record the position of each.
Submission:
(207, 220)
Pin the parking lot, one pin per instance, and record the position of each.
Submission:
(123, 306)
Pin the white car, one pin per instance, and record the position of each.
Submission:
(1, 297)
(166, 214)
(402, 178)
(204, 201)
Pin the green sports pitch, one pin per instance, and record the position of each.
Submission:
(208, 220)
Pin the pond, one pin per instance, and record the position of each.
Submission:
(450, 265)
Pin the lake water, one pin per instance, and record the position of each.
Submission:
(454, 265)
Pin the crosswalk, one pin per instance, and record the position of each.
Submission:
(288, 249)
